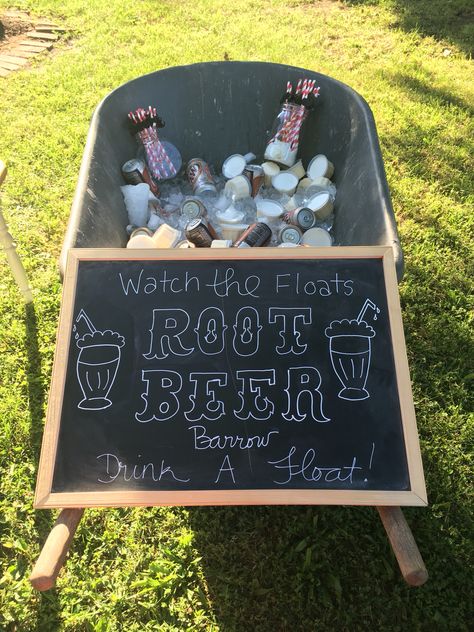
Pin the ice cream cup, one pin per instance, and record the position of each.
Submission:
(166, 236)
(322, 182)
(221, 243)
(270, 169)
(320, 166)
(285, 182)
(269, 209)
(290, 204)
(234, 165)
(304, 184)
(238, 187)
(297, 169)
(321, 204)
(230, 216)
(232, 231)
(141, 241)
(316, 237)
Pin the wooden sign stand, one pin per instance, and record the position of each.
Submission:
(388, 498)
(55, 549)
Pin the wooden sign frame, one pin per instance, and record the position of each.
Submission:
(415, 496)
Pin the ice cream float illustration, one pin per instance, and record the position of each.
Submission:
(97, 363)
(350, 347)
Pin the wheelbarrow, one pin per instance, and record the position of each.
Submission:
(212, 110)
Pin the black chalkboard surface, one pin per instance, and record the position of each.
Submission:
(230, 377)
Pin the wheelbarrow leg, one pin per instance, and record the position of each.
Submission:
(404, 546)
(54, 551)
(6, 243)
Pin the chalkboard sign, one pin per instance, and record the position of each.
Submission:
(265, 376)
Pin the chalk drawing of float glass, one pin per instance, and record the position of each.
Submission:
(97, 363)
(350, 347)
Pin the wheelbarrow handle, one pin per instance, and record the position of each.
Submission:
(404, 546)
(54, 551)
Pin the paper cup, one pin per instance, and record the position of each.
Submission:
(285, 182)
(141, 241)
(320, 166)
(230, 216)
(166, 236)
(321, 204)
(316, 237)
(221, 243)
(238, 187)
(232, 231)
(290, 204)
(304, 184)
(322, 182)
(270, 169)
(269, 209)
(297, 169)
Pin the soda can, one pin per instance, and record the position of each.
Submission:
(256, 176)
(301, 217)
(290, 235)
(192, 208)
(198, 233)
(135, 171)
(256, 235)
(199, 175)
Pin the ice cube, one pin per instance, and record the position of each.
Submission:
(136, 202)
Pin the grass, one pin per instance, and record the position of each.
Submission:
(265, 568)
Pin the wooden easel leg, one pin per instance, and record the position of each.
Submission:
(404, 546)
(54, 551)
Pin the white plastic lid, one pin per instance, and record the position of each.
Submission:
(318, 201)
(270, 168)
(285, 182)
(318, 166)
(233, 166)
(316, 237)
(269, 208)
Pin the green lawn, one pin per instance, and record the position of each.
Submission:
(265, 568)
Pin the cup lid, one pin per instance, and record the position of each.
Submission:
(233, 166)
(316, 237)
(284, 181)
(318, 201)
(269, 208)
(317, 166)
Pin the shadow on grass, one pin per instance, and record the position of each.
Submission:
(425, 149)
(452, 21)
(300, 569)
(48, 611)
(287, 568)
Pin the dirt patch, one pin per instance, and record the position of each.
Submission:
(12, 25)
